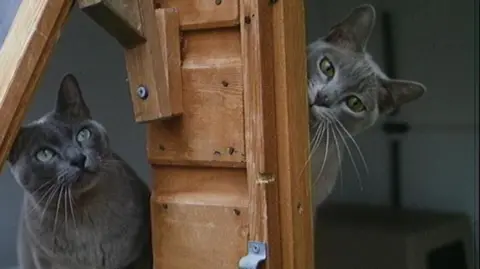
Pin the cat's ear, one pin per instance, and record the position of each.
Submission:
(396, 93)
(354, 31)
(70, 101)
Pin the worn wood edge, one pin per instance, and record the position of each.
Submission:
(11, 120)
(125, 25)
(169, 31)
(260, 127)
(292, 137)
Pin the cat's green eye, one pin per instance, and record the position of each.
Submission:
(44, 155)
(326, 67)
(355, 104)
(83, 135)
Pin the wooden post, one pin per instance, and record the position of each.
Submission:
(23, 56)
(230, 169)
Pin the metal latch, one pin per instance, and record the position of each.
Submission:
(257, 252)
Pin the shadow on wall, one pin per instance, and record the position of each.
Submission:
(85, 50)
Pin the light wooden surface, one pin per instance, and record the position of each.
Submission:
(229, 170)
(210, 132)
(292, 134)
(260, 132)
(204, 14)
(147, 66)
(23, 56)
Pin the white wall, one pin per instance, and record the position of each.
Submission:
(434, 44)
(97, 60)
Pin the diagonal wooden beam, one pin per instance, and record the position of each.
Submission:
(23, 56)
(120, 18)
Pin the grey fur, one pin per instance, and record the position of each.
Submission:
(84, 207)
(332, 123)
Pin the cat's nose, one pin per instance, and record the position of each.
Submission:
(79, 161)
(321, 100)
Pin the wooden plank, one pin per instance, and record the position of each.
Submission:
(120, 18)
(168, 27)
(260, 141)
(23, 57)
(199, 217)
(154, 66)
(201, 14)
(292, 134)
(213, 103)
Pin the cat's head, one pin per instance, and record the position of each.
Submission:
(345, 84)
(64, 148)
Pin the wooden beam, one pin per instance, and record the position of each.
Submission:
(23, 57)
(120, 18)
(292, 134)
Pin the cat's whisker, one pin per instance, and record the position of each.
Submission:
(347, 147)
(339, 157)
(36, 204)
(71, 204)
(49, 200)
(65, 209)
(328, 124)
(57, 208)
(354, 143)
(316, 137)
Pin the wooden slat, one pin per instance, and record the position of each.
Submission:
(292, 134)
(210, 132)
(201, 14)
(148, 67)
(260, 141)
(23, 57)
(120, 18)
(199, 217)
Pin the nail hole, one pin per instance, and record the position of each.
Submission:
(225, 83)
(216, 152)
(236, 211)
(165, 206)
(161, 147)
(300, 208)
(218, 2)
(231, 150)
(247, 19)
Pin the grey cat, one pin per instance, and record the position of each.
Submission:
(83, 207)
(347, 93)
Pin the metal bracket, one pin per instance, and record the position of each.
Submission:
(257, 253)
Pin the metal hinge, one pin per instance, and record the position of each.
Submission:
(257, 253)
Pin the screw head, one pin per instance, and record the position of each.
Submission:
(142, 92)
(255, 249)
(218, 2)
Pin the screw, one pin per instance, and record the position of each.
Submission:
(247, 20)
(142, 92)
(255, 249)
(218, 2)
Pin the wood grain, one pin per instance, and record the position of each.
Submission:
(169, 34)
(23, 57)
(201, 14)
(292, 134)
(210, 131)
(120, 18)
(197, 236)
(199, 217)
(260, 131)
(148, 67)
